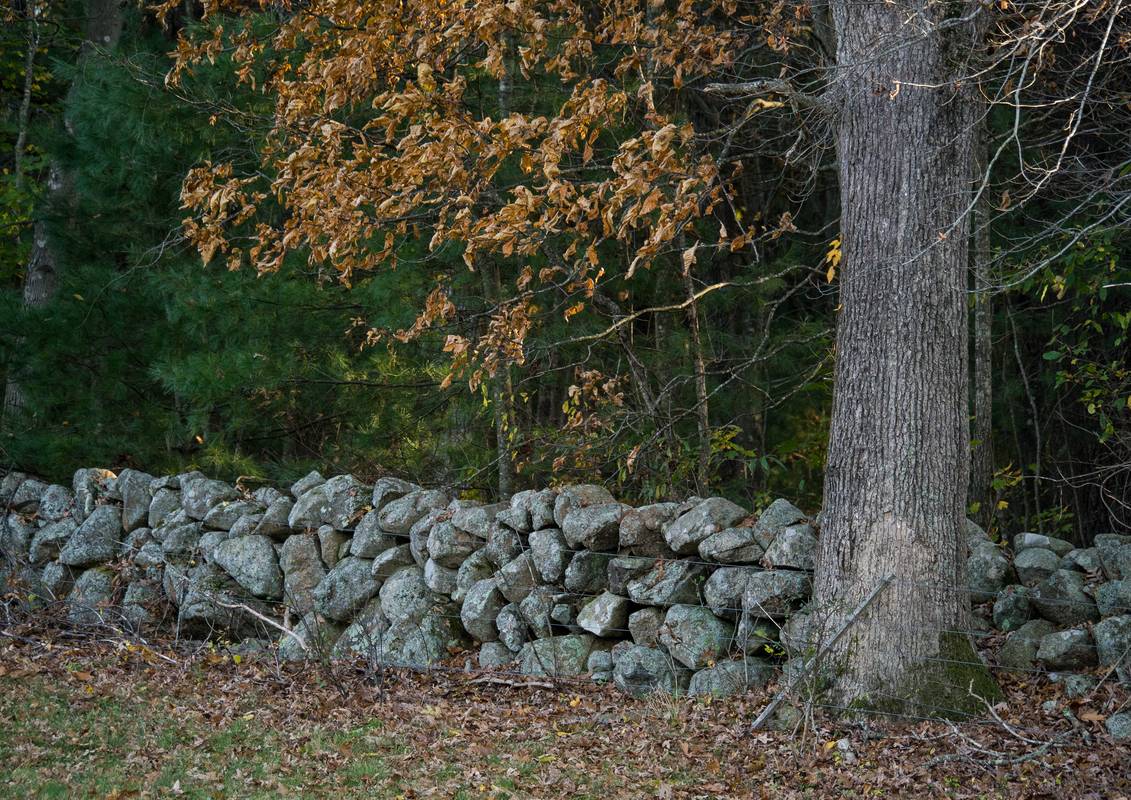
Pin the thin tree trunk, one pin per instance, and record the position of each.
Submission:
(702, 414)
(29, 83)
(982, 452)
(898, 456)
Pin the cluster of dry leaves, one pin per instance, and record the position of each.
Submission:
(450, 733)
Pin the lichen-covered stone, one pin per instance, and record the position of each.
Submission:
(301, 562)
(685, 532)
(550, 554)
(226, 513)
(200, 494)
(513, 632)
(639, 671)
(391, 561)
(133, 485)
(623, 569)
(641, 530)
(401, 514)
(987, 572)
(364, 636)
(331, 544)
(644, 626)
(252, 562)
(1035, 564)
(1063, 598)
(56, 504)
(311, 480)
(1023, 541)
(1011, 609)
(313, 639)
(605, 615)
(1086, 560)
(503, 546)
(493, 655)
(405, 596)
(580, 496)
(668, 583)
(421, 643)
(732, 677)
(449, 546)
(48, 541)
(476, 520)
(594, 527)
(1113, 641)
(438, 578)
(559, 656)
(588, 572)
(1070, 649)
(695, 636)
(1113, 597)
(775, 593)
(95, 541)
(1019, 651)
(347, 500)
(794, 548)
(165, 503)
(732, 546)
(91, 597)
(275, 521)
(345, 589)
(1115, 555)
(724, 589)
(777, 517)
(517, 579)
(476, 567)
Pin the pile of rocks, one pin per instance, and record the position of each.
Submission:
(698, 596)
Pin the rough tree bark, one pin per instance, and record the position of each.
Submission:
(898, 455)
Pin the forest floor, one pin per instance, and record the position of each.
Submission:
(89, 717)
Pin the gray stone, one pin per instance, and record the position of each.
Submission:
(364, 636)
(347, 500)
(1035, 564)
(438, 578)
(623, 569)
(503, 546)
(91, 484)
(47, 542)
(732, 546)
(401, 514)
(712, 515)
(313, 640)
(226, 513)
(1062, 598)
(549, 551)
(641, 530)
(564, 613)
(668, 583)
(140, 601)
(476, 567)
(136, 497)
(92, 596)
(517, 579)
(422, 643)
(512, 628)
(388, 489)
(27, 495)
(1118, 726)
(1115, 555)
(266, 495)
(311, 480)
(1113, 641)
(57, 580)
(209, 541)
(733, 677)
(594, 527)
(9, 484)
(309, 510)
(605, 615)
(1086, 560)
(480, 610)
(537, 609)
(644, 626)
(369, 540)
(252, 562)
(180, 542)
(1019, 651)
(1011, 609)
(149, 555)
(301, 562)
(16, 534)
(987, 572)
(276, 519)
(246, 525)
(345, 589)
(798, 635)
(165, 502)
(95, 541)
(794, 548)
(694, 636)
(541, 505)
(476, 520)
(600, 666)
(420, 531)
(330, 543)
(1113, 597)
(588, 572)
(405, 596)
(1023, 541)
(724, 589)
(756, 636)
(199, 495)
(639, 671)
(777, 517)
(449, 546)
(775, 593)
(1075, 685)
(558, 656)
(56, 504)
(493, 655)
(391, 561)
(1070, 649)
(580, 496)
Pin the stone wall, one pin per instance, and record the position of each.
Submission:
(699, 596)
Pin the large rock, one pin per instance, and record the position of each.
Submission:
(1113, 642)
(89, 486)
(200, 494)
(1011, 609)
(639, 671)
(9, 484)
(333, 545)
(27, 495)
(668, 583)
(477, 567)
(541, 505)
(594, 527)
(1070, 649)
(16, 534)
(588, 572)
(276, 519)
(252, 562)
(775, 593)
(386, 490)
(438, 578)
(641, 530)
(136, 497)
(476, 520)
(707, 518)
(179, 542)
(56, 580)
(605, 615)
(313, 639)
(794, 548)
(581, 496)
(1062, 598)
(309, 510)
(301, 561)
(1086, 560)
(644, 626)
(559, 656)
(724, 589)
(91, 597)
(1023, 541)
(1019, 651)
(987, 572)
(405, 596)
(311, 480)
(391, 562)
(776, 518)
(756, 636)
(550, 553)
(1034, 565)
(401, 514)
(694, 636)
(49, 541)
(364, 635)
(728, 678)
(345, 589)
(422, 643)
(164, 504)
(347, 500)
(420, 531)
(450, 546)
(1112, 598)
(516, 516)
(538, 610)
(623, 569)
(1115, 555)
(95, 541)
(56, 504)
(517, 579)
(503, 545)
(493, 655)
(211, 602)
(732, 546)
(513, 632)
(224, 515)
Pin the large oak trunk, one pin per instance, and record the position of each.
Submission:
(899, 443)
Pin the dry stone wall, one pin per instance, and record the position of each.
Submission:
(698, 596)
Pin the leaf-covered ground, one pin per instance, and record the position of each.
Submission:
(109, 719)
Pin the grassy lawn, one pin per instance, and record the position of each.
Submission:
(112, 722)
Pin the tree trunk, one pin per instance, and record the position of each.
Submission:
(702, 412)
(898, 456)
(982, 451)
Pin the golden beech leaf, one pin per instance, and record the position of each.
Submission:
(574, 310)
(689, 256)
